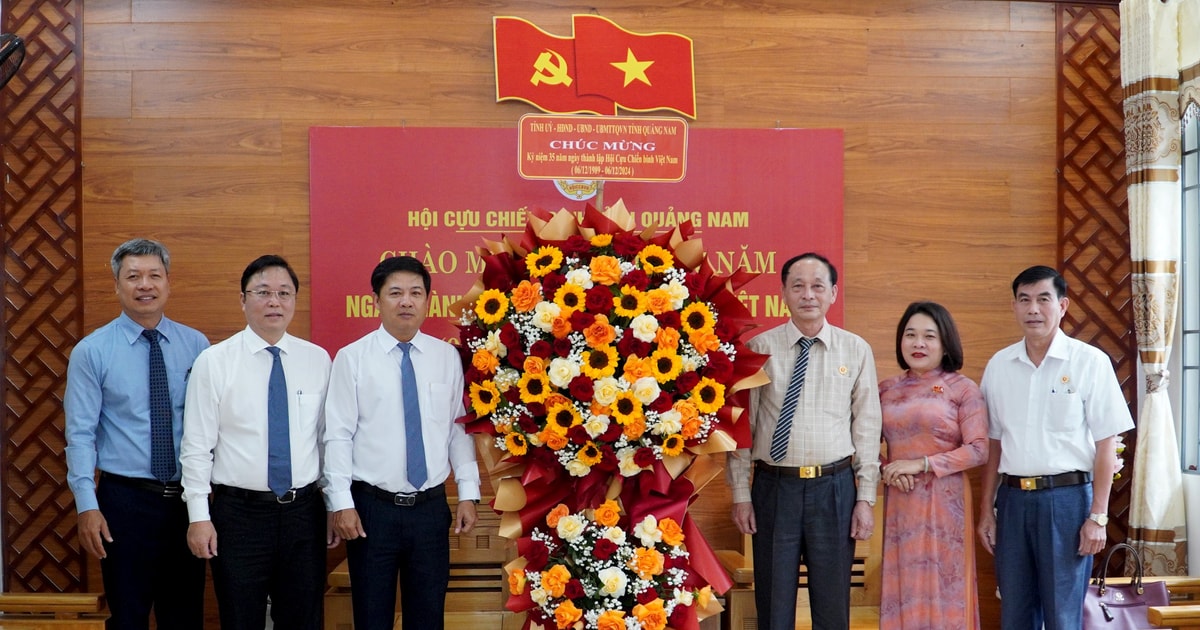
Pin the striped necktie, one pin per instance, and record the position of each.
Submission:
(783, 430)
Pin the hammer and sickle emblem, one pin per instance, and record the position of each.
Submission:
(551, 69)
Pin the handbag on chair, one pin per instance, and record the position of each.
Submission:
(1122, 607)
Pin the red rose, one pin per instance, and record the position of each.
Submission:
(719, 368)
(598, 300)
(541, 349)
(581, 320)
(581, 388)
(536, 555)
(576, 245)
(637, 278)
(562, 347)
(611, 433)
(695, 284)
(578, 435)
(552, 282)
(537, 409)
(527, 423)
(513, 396)
(574, 589)
(627, 244)
(669, 319)
(647, 596)
(644, 457)
(516, 358)
(632, 346)
(686, 381)
(662, 403)
(604, 549)
(510, 337)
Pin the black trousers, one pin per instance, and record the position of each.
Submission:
(149, 566)
(267, 549)
(410, 541)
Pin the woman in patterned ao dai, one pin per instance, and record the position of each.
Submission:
(935, 426)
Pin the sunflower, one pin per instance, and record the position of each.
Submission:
(541, 262)
(534, 387)
(665, 364)
(630, 303)
(600, 362)
(492, 306)
(708, 395)
(516, 444)
(672, 445)
(590, 454)
(561, 417)
(656, 259)
(697, 316)
(626, 408)
(569, 298)
(484, 397)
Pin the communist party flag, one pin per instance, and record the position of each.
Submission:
(640, 71)
(538, 68)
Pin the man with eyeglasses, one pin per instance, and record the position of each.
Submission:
(252, 428)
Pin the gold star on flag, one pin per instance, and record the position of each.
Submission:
(633, 69)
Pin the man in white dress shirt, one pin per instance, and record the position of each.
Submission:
(251, 440)
(391, 441)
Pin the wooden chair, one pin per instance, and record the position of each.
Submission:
(57, 611)
(864, 579)
(478, 586)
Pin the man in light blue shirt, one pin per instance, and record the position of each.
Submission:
(135, 521)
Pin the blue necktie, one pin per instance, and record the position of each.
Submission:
(783, 430)
(417, 473)
(279, 447)
(162, 438)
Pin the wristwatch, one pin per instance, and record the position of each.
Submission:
(1099, 519)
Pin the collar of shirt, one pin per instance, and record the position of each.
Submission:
(255, 344)
(387, 343)
(824, 335)
(133, 330)
(1059, 349)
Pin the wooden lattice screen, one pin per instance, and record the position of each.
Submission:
(40, 206)
(1093, 215)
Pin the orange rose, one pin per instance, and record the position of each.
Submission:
(516, 581)
(652, 616)
(690, 428)
(556, 399)
(672, 533)
(605, 270)
(599, 333)
(599, 410)
(687, 410)
(553, 441)
(611, 620)
(647, 563)
(526, 296)
(666, 338)
(555, 580)
(608, 513)
(704, 341)
(637, 367)
(567, 614)
(558, 512)
(635, 428)
(534, 365)
(561, 327)
(658, 301)
(484, 361)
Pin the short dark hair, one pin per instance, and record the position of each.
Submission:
(264, 262)
(952, 352)
(1036, 274)
(140, 247)
(787, 266)
(389, 266)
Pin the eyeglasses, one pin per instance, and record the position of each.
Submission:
(283, 296)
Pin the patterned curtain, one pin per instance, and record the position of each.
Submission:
(1160, 57)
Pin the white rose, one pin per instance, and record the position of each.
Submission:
(678, 293)
(561, 371)
(596, 426)
(612, 582)
(571, 527)
(615, 534)
(581, 277)
(644, 327)
(540, 596)
(670, 421)
(577, 469)
(646, 389)
(626, 464)
(684, 596)
(544, 314)
(492, 344)
(605, 390)
(647, 531)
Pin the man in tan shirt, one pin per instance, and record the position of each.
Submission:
(815, 456)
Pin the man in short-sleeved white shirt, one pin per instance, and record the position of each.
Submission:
(1055, 410)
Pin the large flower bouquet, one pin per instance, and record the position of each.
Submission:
(598, 570)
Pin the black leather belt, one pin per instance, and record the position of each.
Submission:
(265, 495)
(168, 490)
(1045, 482)
(805, 472)
(405, 499)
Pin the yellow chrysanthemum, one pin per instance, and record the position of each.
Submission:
(491, 306)
(516, 444)
(673, 444)
(697, 316)
(547, 258)
(626, 408)
(600, 362)
(561, 417)
(590, 454)
(708, 395)
(569, 298)
(484, 397)
(665, 364)
(534, 388)
(630, 303)
(656, 259)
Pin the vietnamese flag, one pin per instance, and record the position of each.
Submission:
(538, 68)
(640, 71)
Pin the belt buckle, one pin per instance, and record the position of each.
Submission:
(170, 492)
(405, 500)
(809, 472)
(1030, 483)
(286, 497)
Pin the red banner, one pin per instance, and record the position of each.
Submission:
(755, 196)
